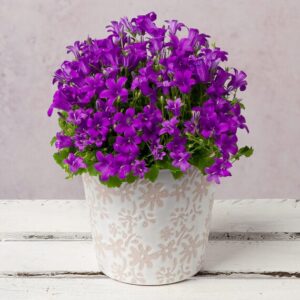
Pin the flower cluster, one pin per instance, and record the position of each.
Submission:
(144, 99)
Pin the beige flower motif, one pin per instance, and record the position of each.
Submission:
(127, 218)
(113, 229)
(136, 277)
(192, 174)
(141, 256)
(190, 248)
(166, 233)
(167, 250)
(196, 210)
(147, 218)
(153, 195)
(180, 190)
(200, 189)
(103, 213)
(119, 271)
(165, 275)
(105, 194)
(126, 192)
(184, 271)
(115, 247)
(179, 216)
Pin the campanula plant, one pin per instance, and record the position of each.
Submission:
(147, 98)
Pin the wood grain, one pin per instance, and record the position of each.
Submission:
(46, 252)
(197, 288)
(222, 256)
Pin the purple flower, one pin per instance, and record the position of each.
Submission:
(149, 122)
(135, 53)
(81, 139)
(105, 165)
(125, 123)
(177, 144)
(133, 128)
(63, 141)
(192, 125)
(127, 144)
(75, 163)
(218, 169)
(170, 127)
(75, 49)
(117, 29)
(79, 116)
(174, 26)
(124, 164)
(227, 143)
(60, 101)
(115, 89)
(238, 80)
(141, 81)
(184, 81)
(156, 44)
(217, 88)
(158, 152)
(202, 71)
(180, 160)
(145, 23)
(174, 106)
(139, 168)
(98, 128)
(108, 109)
(90, 87)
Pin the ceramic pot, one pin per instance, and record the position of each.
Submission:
(150, 233)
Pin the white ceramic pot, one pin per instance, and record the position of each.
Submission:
(150, 233)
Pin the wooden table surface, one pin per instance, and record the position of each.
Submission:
(46, 253)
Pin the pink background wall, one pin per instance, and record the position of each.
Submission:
(262, 38)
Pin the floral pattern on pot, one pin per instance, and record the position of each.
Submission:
(151, 233)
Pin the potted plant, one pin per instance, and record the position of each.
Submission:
(150, 120)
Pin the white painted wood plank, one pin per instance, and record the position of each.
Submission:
(44, 215)
(47, 256)
(222, 256)
(106, 289)
(261, 215)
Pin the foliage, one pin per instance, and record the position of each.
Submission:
(144, 99)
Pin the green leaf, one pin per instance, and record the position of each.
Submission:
(166, 164)
(152, 173)
(242, 106)
(244, 151)
(88, 155)
(92, 171)
(238, 101)
(202, 159)
(53, 140)
(67, 128)
(60, 156)
(163, 164)
(112, 182)
(130, 178)
(177, 173)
